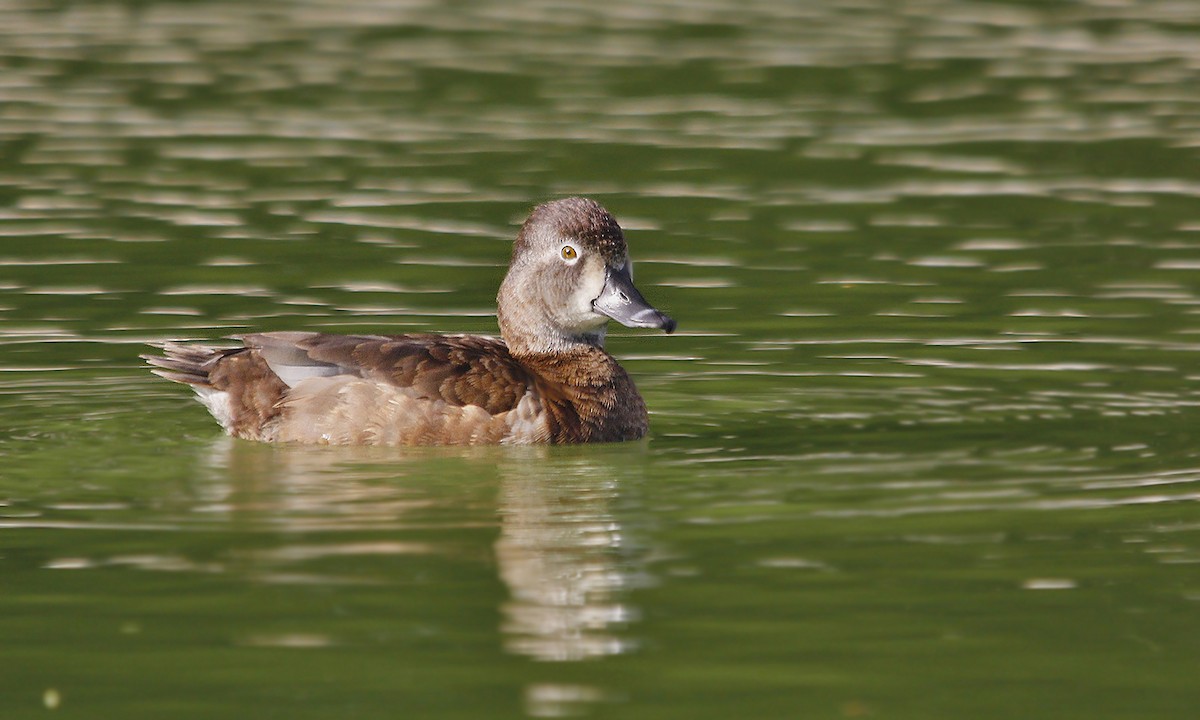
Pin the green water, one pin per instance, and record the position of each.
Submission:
(924, 446)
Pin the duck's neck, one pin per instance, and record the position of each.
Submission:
(526, 336)
(551, 345)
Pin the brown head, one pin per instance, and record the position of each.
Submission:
(570, 274)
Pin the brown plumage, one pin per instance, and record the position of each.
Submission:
(549, 380)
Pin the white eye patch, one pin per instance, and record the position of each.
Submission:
(569, 254)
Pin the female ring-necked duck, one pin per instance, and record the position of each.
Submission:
(547, 379)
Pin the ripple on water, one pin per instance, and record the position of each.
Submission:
(990, 333)
(236, 290)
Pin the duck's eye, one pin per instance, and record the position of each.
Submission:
(568, 252)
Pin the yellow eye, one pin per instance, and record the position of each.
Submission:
(569, 253)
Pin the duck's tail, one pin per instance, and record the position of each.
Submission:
(187, 364)
(235, 384)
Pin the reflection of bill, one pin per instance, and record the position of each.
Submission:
(558, 554)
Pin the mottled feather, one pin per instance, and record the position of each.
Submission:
(458, 370)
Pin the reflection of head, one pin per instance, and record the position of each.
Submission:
(558, 554)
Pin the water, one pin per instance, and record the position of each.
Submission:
(923, 447)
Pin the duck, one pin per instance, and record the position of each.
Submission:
(546, 380)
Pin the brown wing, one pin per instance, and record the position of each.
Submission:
(459, 370)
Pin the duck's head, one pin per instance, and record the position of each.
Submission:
(570, 274)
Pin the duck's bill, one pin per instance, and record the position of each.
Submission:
(622, 302)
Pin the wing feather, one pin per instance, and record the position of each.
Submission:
(460, 370)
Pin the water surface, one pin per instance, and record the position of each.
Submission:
(923, 447)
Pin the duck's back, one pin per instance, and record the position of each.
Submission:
(405, 390)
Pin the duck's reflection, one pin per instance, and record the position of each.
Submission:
(560, 553)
